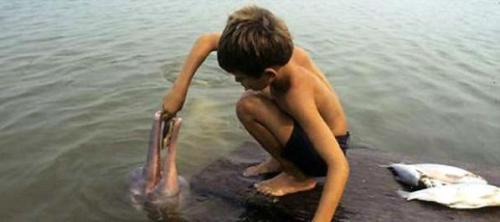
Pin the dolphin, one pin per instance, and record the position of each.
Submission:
(157, 184)
(163, 134)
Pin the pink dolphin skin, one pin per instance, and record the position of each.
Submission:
(163, 134)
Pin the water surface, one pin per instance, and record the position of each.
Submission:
(80, 80)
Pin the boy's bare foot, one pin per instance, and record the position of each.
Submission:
(283, 184)
(267, 166)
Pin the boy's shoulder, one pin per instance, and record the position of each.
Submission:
(302, 72)
(307, 72)
(300, 82)
(300, 55)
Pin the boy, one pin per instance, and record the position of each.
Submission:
(288, 107)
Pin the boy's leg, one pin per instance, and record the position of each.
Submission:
(272, 128)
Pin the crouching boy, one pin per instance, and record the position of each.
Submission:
(288, 106)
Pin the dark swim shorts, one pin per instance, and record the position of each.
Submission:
(300, 151)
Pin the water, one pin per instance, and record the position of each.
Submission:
(80, 80)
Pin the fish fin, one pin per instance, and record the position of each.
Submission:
(455, 177)
(387, 165)
(421, 172)
(403, 194)
(489, 196)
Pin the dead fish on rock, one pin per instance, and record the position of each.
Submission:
(458, 196)
(432, 175)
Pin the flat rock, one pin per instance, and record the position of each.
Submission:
(370, 194)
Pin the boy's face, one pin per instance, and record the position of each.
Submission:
(252, 83)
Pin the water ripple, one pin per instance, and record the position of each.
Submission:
(79, 81)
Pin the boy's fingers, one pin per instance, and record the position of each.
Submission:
(167, 130)
(166, 115)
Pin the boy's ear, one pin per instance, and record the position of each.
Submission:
(270, 73)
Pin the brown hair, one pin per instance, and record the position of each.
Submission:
(253, 40)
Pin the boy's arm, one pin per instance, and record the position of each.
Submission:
(305, 111)
(174, 99)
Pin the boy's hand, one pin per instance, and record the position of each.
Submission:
(171, 105)
(165, 115)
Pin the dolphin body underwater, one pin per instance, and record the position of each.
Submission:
(156, 186)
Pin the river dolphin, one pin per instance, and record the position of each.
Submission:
(163, 134)
(157, 184)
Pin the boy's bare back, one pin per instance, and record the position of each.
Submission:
(304, 73)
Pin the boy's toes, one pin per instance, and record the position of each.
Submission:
(277, 193)
(250, 172)
(264, 190)
(260, 184)
(268, 191)
(257, 185)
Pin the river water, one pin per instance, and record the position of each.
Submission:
(80, 81)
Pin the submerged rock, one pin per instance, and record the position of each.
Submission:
(370, 194)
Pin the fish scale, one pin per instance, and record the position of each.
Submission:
(431, 175)
(446, 185)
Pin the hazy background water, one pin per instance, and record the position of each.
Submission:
(80, 80)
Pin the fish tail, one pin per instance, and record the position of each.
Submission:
(404, 194)
(389, 165)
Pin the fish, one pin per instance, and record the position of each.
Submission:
(458, 196)
(157, 182)
(427, 175)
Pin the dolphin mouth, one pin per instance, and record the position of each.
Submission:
(168, 127)
(161, 172)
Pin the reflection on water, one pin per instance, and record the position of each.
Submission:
(79, 81)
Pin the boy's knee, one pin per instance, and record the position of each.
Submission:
(246, 106)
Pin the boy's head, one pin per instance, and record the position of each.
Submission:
(253, 40)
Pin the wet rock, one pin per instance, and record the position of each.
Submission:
(370, 194)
